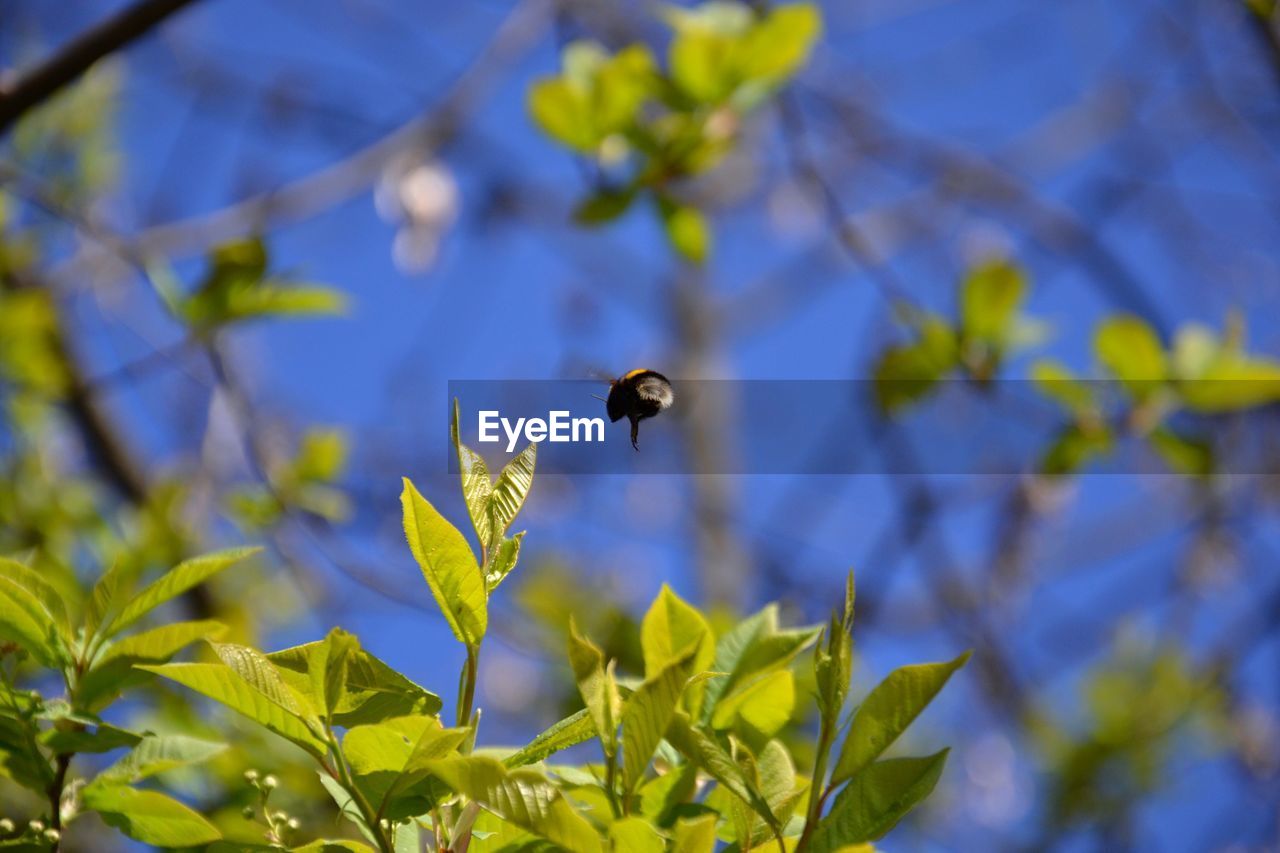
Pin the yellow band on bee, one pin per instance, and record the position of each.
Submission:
(636, 372)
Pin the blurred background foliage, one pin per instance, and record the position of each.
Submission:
(241, 258)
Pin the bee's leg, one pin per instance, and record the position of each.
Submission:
(635, 432)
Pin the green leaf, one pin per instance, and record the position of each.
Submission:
(448, 565)
(149, 816)
(597, 686)
(178, 580)
(116, 669)
(705, 752)
(476, 485)
(905, 374)
(44, 592)
(510, 490)
(647, 714)
(1233, 383)
(25, 621)
(695, 835)
(157, 754)
(161, 643)
(634, 835)
(502, 560)
(373, 691)
(102, 738)
(571, 731)
(603, 206)
(1073, 448)
(257, 670)
(753, 647)
(522, 797)
(780, 44)
(671, 629)
(564, 113)
(887, 712)
(990, 298)
(222, 684)
(687, 231)
(341, 845)
(1131, 350)
(1059, 384)
(833, 662)
(763, 706)
(876, 799)
(327, 672)
(1186, 456)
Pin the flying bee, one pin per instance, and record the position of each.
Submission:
(638, 395)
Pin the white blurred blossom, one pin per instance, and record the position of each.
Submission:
(422, 200)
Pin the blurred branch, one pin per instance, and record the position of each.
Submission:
(340, 181)
(115, 33)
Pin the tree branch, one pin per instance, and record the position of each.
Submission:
(60, 70)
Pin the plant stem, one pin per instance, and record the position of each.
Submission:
(817, 789)
(62, 764)
(467, 685)
(348, 782)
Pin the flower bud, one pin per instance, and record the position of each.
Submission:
(270, 782)
(6, 826)
(293, 824)
(36, 825)
(52, 836)
(251, 776)
(247, 812)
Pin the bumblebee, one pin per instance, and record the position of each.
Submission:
(638, 395)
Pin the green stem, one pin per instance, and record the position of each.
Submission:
(348, 782)
(467, 685)
(611, 781)
(817, 790)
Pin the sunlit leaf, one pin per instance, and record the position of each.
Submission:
(448, 565)
(149, 816)
(876, 799)
(184, 576)
(223, 685)
(887, 712)
(522, 797)
(646, 715)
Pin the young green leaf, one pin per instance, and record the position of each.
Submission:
(522, 797)
(670, 630)
(634, 835)
(647, 714)
(502, 560)
(1131, 350)
(149, 816)
(184, 576)
(156, 754)
(760, 707)
(373, 691)
(571, 731)
(990, 298)
(687, 231)
(876, 799)
(597, 686)
(695, 835)
(888, 710)
(510, 490)
(223, 685)
(705, 752)
(25, 620)
(476, 485)
(448, 565)
(44, 592)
